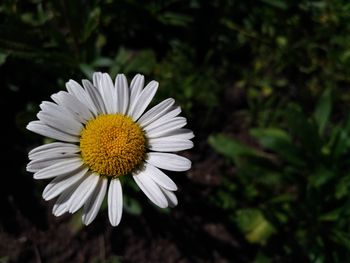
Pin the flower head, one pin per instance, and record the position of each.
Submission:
(104, 133)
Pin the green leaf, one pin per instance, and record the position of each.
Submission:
(342, 141)
(131, 205)
(143, 62)
(331, 216)
(323, 110)
(75, 223)
(261, 258)
(231, 148)
(3, 57)
(281, 4)
(254, 225)
(341, 238)
(280, 142)
(87, 70)
(320, 177)
(342, 187)
(304, 131)
(174, 19)
(103, 62)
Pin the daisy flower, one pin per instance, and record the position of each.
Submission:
(103, 132)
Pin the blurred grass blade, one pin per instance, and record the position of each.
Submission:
(342, 141)
(341, 238)
(305, 131)
(3, 57)
(323, 110)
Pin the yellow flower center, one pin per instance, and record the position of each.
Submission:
(112, 145)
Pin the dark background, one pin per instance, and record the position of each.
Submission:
(265, 87)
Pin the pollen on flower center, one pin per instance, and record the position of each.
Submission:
(112, 145)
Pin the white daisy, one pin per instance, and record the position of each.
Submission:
(103, 134)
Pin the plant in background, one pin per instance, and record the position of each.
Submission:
(293, 187)
(104, 134)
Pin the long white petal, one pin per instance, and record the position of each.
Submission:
(53, 149)
(168, 116)
(115, 202)
(144, 99)
(183, 134)
(95, 96)
(93, 204)
(166, 127)
(62, 123)
(96, 79)
(83, 192)
(136, 87)
(156, 112)
(47, 131)
(160, 178)
(58, 111)
(108, 94)
(60, 207)
(77, 90)
(150, 188)
(169, 144)
(61, 183)
(60, 168)
(170, 196)
(73, 104)
(44, 162)
(122, 93)
(169, 161)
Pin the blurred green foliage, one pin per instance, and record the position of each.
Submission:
(289, 61)
(293, 187)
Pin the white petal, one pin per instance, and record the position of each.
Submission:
(46, 161)
(168, 144)
(166, 127)
(108, 94)
(171, 197)
(83, 192)
(136, 87)
(61, 183)
(62, 123)
(122, 93)
(156, 112)
(77, 90)
(169, 161)
(161, 178)
(69, 101)
(173, 112)
(47, 131)
(60, 168)
(144, 99)
(93, 204)
(183, 134)
(115, 202)
(96, 79)
(150, 188)
(53, 149)
(95, 96)
(60, 207)
(58, 111)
